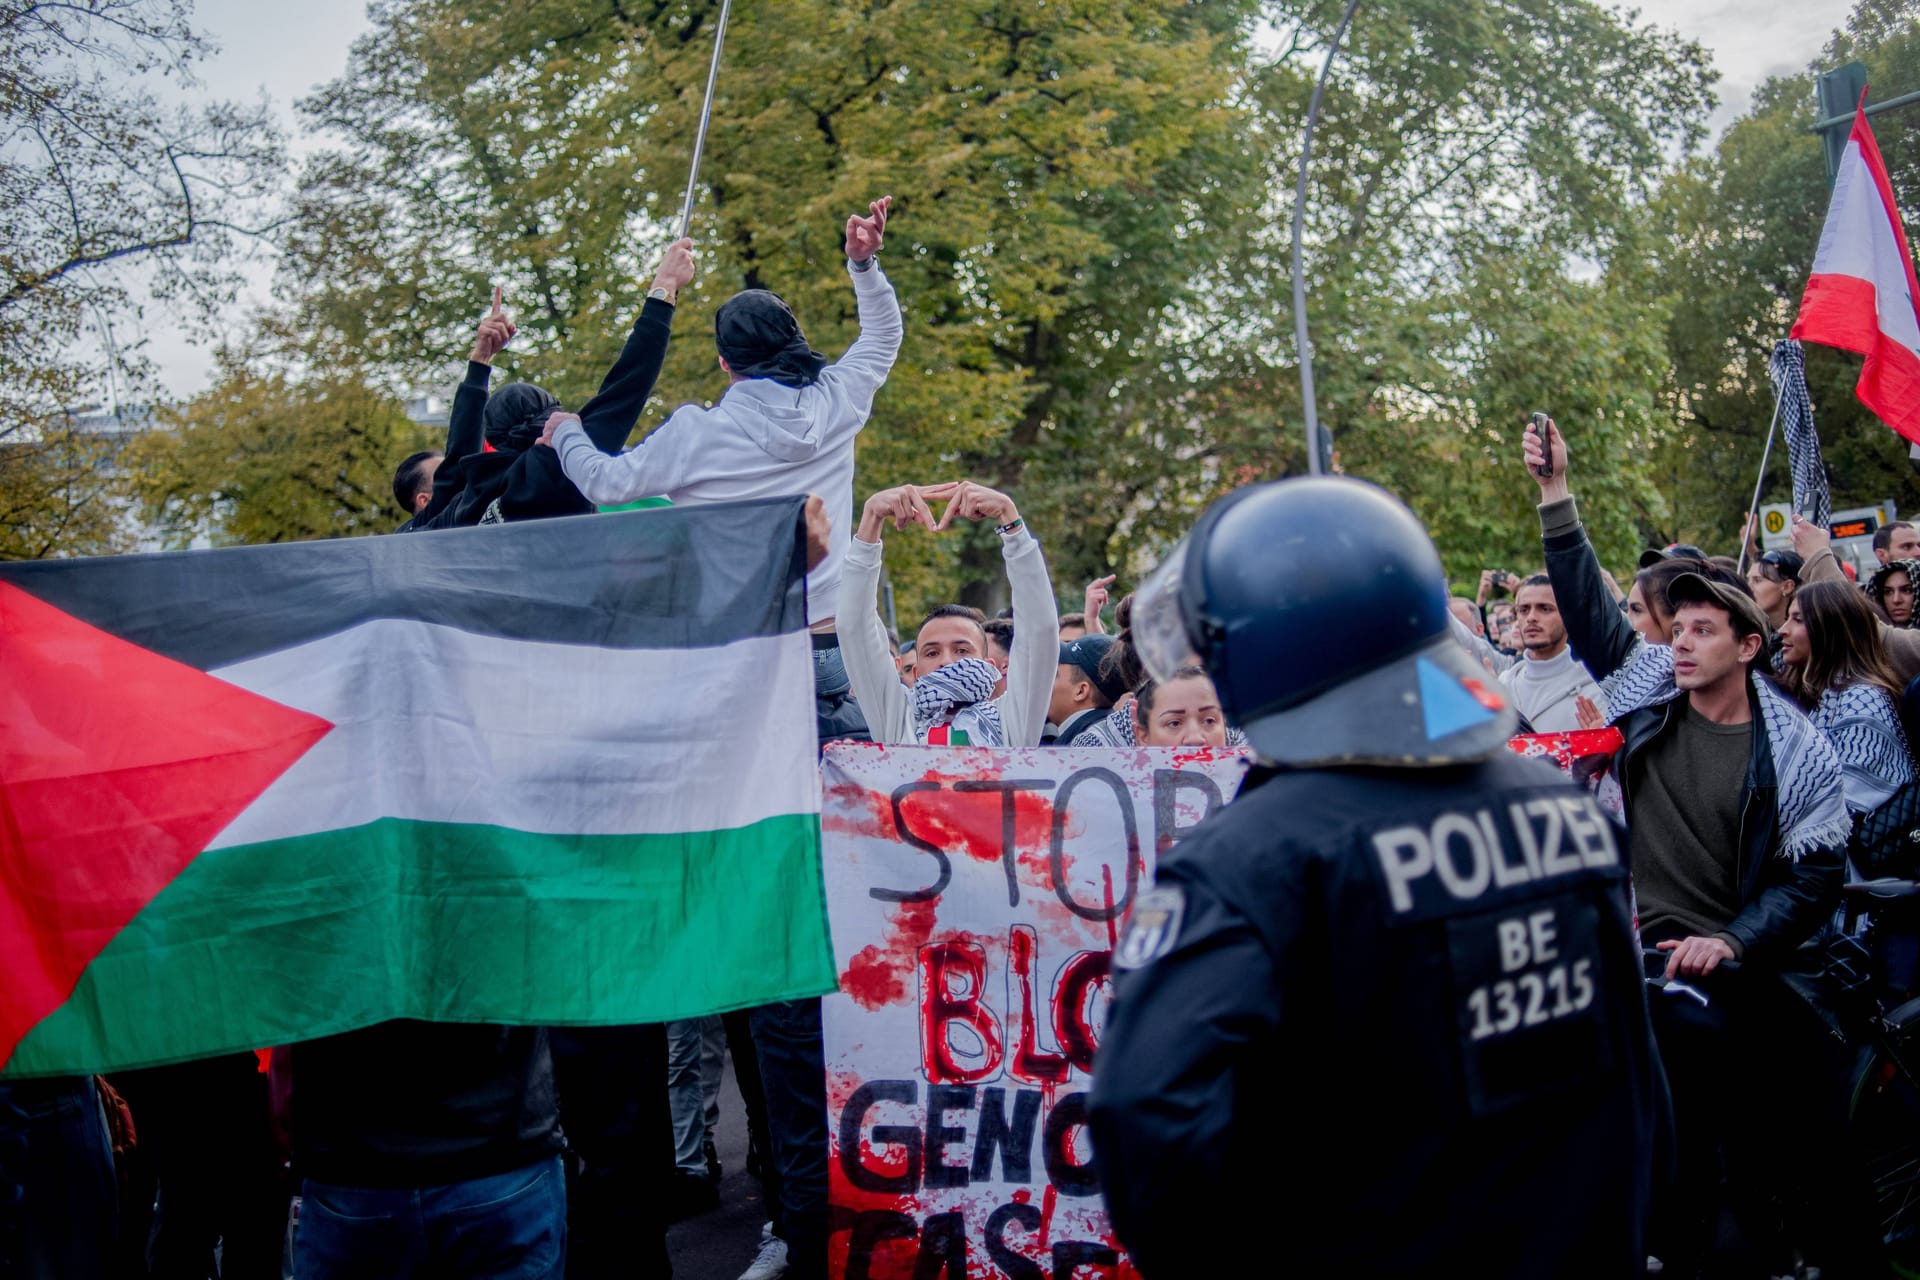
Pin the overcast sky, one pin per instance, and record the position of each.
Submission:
(283, 50)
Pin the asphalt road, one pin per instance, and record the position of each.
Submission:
(719, 1245)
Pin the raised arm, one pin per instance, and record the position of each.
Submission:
(864, 646)
(867, 362)
(1599, 633)
(1036, 614)
(608, 418)
(465, 420)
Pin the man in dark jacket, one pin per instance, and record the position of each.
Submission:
(521, 479)
(1401, 959)
(442, 479)
(1738, 826)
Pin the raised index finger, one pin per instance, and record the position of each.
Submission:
(496, 299)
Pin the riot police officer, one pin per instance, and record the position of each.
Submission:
(1383, 1014)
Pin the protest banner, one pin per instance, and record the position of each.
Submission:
(1587, 757)
(975, 897)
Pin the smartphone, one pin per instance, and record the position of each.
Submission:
(1545, 432)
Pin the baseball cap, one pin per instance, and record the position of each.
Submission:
(1674, 551)
(1691, 588)
(1086, 653)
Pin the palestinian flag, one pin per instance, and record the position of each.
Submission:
(560, 772)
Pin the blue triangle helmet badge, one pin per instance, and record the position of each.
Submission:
(1448, 706)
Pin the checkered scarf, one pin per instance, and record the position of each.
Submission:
(960, 694)
(1119, 730)
(1788, 369)
(1863, 725)
(1809, 800)
(1877, 585)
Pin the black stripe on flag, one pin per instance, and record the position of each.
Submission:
(672, 578)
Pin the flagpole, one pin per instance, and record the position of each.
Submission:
(1299, 279)
(706, 115)
(1753, 507)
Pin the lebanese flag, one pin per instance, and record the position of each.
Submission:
(552, 773)
(1862, 292)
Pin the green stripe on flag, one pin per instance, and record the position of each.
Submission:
(399, 919)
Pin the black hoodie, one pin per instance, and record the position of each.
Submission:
(523, 481)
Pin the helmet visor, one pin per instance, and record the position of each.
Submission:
(1158, 623)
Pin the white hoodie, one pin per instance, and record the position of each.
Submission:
(761, 440)
(869, 655)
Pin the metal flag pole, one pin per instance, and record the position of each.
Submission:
(1753, 508)
(1314, 465)
(706, 114)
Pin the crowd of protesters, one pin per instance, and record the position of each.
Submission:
(1762, 713)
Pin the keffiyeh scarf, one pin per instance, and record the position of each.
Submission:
(1812, 815)
(1877, 584)
(960, 696)
(1119, 730)
(1864, 727)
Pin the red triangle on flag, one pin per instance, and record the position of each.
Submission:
(117, 767)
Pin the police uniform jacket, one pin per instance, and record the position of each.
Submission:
(1383, 1022)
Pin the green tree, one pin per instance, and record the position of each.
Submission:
(98, 176)
(1058, 170)
(260, 457)
(1738, 233)
(1089, 230)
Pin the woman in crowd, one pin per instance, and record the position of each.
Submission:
(1124, 728)
(1773, 578)
(1892, 589)
(1647, 600)
(1832, 659)
(1182, 712)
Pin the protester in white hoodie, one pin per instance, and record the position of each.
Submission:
(951, 701)
(786, 423)
(1546, 680)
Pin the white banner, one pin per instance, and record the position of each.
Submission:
(975, 897)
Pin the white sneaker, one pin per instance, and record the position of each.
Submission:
(771, 1261)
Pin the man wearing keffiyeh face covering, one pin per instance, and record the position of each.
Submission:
(952, 700)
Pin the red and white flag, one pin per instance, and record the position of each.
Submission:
(1861, 294)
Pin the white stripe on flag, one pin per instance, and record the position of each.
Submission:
(1858, 240)
(441, 725)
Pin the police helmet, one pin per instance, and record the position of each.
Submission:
(1320, 609)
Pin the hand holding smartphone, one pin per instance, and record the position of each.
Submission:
(1543, 428)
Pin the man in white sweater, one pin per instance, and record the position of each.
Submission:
(951, 701)
(1546, 681)
(786, 424)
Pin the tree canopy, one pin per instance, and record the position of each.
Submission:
(98, 174)
(1509, 210)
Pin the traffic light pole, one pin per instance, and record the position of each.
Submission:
(1837, 93)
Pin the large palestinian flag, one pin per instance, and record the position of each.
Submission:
(560, 772)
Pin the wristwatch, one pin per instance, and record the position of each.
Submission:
(660, 293)
(861, 264)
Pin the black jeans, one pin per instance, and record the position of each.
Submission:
(793, 1072)
(612, 1084)
(1760, 1110)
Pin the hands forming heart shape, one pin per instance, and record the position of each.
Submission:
(909, 504)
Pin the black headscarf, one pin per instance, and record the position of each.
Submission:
(759, 337)
(515, 416)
